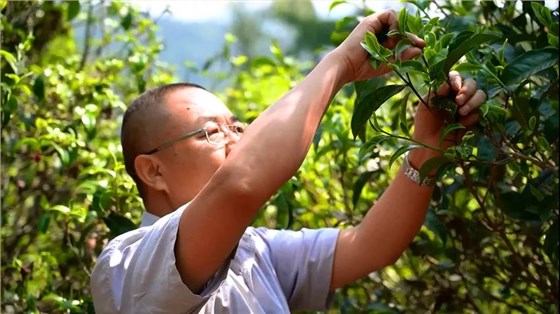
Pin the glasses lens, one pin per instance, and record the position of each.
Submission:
(223, 135)
(216, 138)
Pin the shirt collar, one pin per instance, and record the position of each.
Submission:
(148, 219)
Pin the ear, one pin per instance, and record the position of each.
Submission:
(149, 170)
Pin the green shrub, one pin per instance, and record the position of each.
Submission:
(490, 240)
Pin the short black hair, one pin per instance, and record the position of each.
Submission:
(152, 97)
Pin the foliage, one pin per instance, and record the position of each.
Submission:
(489, 243)
(64, 188)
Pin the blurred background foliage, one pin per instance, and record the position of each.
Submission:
(490, 240)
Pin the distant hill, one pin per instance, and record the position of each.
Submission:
(193, 42)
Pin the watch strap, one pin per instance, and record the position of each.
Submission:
(414, 174)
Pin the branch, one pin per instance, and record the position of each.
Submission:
(87, 36)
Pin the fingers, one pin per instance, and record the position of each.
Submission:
(471, 119)
(473, 103)
(410, 53)
(381, 23)
(384, 20)
(468, 98)
(465, 92)
(454, 78)
(417, 41)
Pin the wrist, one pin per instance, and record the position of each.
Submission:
(413, 174)
(417, 157)
(345, 70)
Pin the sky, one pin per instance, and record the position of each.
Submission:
(203, 10)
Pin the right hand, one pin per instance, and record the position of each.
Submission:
(356, 59)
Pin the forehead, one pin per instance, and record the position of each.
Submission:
(195, 105)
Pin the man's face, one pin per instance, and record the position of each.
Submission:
(190, 163)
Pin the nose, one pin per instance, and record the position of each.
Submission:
(232, 139)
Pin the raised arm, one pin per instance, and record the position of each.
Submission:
(394, 220)
(270, 152)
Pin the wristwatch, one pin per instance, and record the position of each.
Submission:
(414, 175)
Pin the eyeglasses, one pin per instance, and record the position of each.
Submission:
(216, 135)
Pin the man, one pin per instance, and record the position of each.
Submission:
(202, 184)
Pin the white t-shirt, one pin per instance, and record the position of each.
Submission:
(273, 271)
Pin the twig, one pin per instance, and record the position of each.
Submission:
(409, 84)
(87, 37)
(406, 138)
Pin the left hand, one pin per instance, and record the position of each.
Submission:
(355, 58)
(429, 122)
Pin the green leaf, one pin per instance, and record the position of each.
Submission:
(542, 14)
(336, 3)
(467, 45)
(493, 108)
(7, 110)
(62, 154)
(258, 62)
(527, 65)
(445, 40)
(517, 206)
(118, 224)
(43, 222)
(403, 103)
(10, 59)
(414, 24)
(412, 65)
(317, 137)
(61, 209)
(276, 50)
(455, 42)
(375, 49)
(370, 146)
(39, 87)
(403, 20)
(284, 214)
(393, 32)
(553, 40)
(467, 67)
(532, 122)
(551, 242)
(368, 105)
(486, 150)
(448, 129)
(433, 223)
(359, 186)
(126, 21)
(400, 151)
(73, 10)
(432, 164)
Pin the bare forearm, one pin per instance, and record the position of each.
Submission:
(387, 229)
(275, 144)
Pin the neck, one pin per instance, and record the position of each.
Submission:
(159, 204)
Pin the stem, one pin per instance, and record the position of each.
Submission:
(409, 139)
(409, 84)
(87, 37)
(518, 258)
(441, 9)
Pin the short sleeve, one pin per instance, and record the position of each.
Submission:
(136, 273)
(303, 262)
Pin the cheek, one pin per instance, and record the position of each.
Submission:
(202, 164)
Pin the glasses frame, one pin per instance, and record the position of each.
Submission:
(185, 136)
